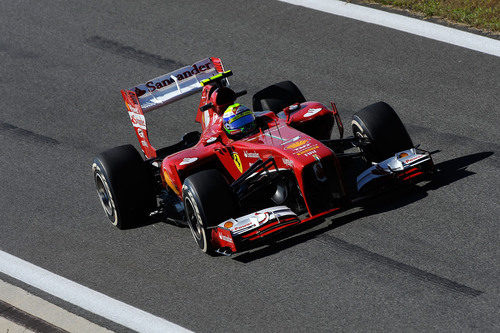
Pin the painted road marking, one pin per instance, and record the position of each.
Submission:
(84, 297)
(404, 23)
(10, 327)
(38, 309)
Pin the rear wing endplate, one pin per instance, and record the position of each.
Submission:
(164, 90)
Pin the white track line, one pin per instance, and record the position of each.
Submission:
(404, 23)
(84, 297)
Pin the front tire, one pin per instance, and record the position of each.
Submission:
(379, 124)
(208, 201)
(124, 186)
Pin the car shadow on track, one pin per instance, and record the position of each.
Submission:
(159, 218)
(447, 172)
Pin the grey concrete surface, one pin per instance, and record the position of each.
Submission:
(426, 260)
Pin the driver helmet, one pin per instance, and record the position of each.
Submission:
(238, 119)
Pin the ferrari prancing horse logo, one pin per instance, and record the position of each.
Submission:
(237, 162)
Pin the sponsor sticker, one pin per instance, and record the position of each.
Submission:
(237, 162)
(188, 160)
(225, 238)
(303, 147)
(261, 218)
(251, 155)
(138, 120)
(311, 149)
(180, 75)
(312, 112)
(243, 226)
(313, 153)
(134, 108)
(139, 92)
(409, 160)
(296, 144)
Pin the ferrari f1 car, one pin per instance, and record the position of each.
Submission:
(234, 193)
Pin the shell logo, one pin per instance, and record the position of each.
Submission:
(296, 144)
(402, 155)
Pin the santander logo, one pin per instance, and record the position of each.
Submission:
(152, 86)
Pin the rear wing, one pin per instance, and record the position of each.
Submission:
(164, 90)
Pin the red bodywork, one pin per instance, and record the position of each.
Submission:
(283, 139)
(290, 148)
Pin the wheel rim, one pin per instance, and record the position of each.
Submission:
(358, 132)
(194, 224)
(104, 195)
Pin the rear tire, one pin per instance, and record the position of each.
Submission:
(124, 186)
(208, 201)
(385, 132)
(277, 97)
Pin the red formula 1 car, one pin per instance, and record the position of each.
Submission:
(235, 192)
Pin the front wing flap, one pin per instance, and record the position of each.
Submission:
(262, 224)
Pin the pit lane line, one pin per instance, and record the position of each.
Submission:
(403, 23)
(84, 297)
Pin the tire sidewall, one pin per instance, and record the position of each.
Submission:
(192, 199)
(101, 175)
(212, 201)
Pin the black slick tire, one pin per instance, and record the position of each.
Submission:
(208, 201)
(124, 186)
(277, 97)
(385, 132)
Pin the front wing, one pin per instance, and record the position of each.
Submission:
(232, 234)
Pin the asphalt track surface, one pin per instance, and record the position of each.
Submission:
(426, 258)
